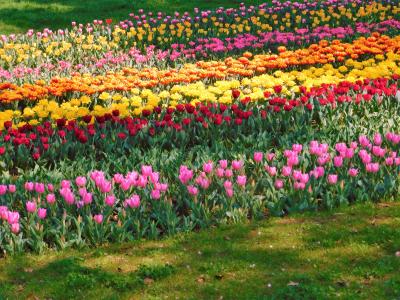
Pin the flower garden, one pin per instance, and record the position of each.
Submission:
(121, 130)
(157, 124)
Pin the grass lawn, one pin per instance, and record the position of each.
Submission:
(348, 254)
(21, 15)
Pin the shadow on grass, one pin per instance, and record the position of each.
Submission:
(22, 15)
(319, 257)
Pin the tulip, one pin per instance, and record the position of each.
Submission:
(220, 172)
(332, 178)
(3, 189)
(98, 218)
(155, 194)
(228, 173)
(278, 184)
(134, 201)
(192, 190)
(208, 167)
(15, 227)
(241, 180)
(271, 170)
(39, 188)
(353, 172)
(286, 171)
(223, 164)
(65, 183)
(12, 188)
(42, 212)
(51, 198)
(270, 156)
(237, 164)
(29, 186)
(12, 217)
(154, 177)
(109, 200)
(147, 170)
(87, 198)
(30, 206)
(229, 192)
(258, 156)
(80, 181)
(337, 161)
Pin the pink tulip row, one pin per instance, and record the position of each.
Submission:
(288, 170)
(105, 189)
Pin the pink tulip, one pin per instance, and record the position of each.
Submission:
(105, 187)
(208, 167)
(65, 184)
(337, 161)
(30, 206)
(87, 198)
(223, 164)
(39, 188)
(133, 202)
(229, 192)
(80, 181)
(332, 178)
(278, 184)
(304, 178)
(12, 188)
(364, 141)
(241, 180)
(270, 156)
(228, 173)
(50, 187)
(29, 186)
(353, 172)
(372, 167)
(154, 177)
(3, 212)
(98, 218)
(12, 217)
(293, 161)
(51, 198)
(389, 161)
(297, 148)
(15, 228)
(147, 170)
(299, 185)
(297, 174)
(258, 156)
(109, 200)
(155, 194)
(377, 139)
(237, 164)
(42, 212)
(3, 189)
(271, 170)
(286, 171)
(118, 178)
(192, 190)
(220, 172)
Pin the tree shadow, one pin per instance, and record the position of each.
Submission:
(337, 255)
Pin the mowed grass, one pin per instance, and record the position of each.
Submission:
(347, 254)
(18, 16)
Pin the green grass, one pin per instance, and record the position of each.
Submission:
(347, 254)
(20, 15)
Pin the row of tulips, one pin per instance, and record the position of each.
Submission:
(135, 101)
(325, 105)
(245, 66)
(203, 48)
(95, 209)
